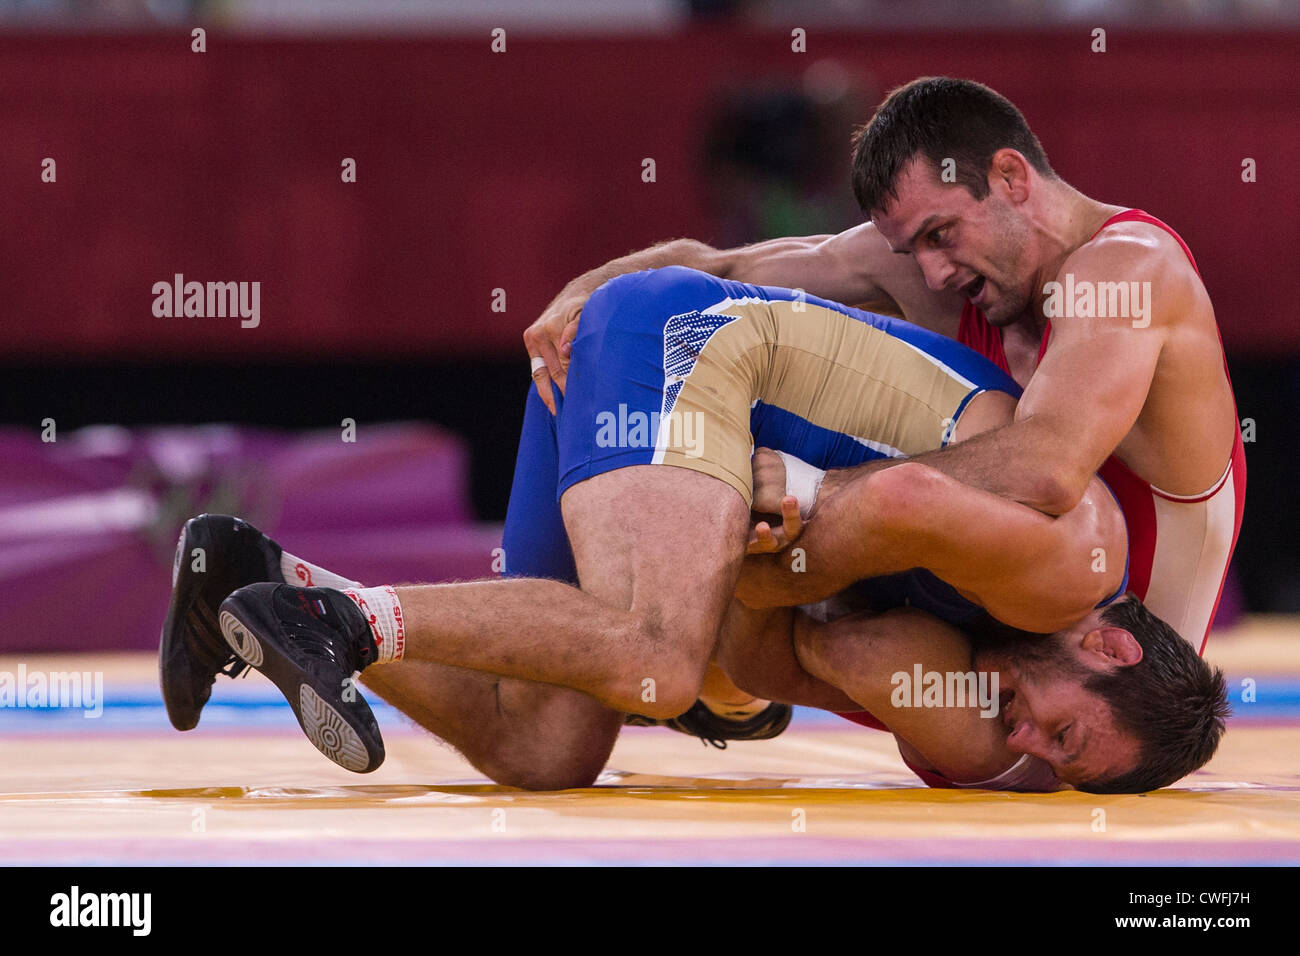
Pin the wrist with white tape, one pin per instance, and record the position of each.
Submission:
(803, 481)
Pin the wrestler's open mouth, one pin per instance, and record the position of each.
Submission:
(974, 288)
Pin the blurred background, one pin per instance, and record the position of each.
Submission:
(485, 181)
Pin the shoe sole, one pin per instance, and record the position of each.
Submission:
(183, 697)
(340, 736)
(185, 591)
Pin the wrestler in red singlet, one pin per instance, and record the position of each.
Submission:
(1179, 545)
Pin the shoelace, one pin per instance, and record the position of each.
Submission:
(639, 720)
(223, 661)
(234, 667)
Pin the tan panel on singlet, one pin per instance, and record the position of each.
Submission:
(837, 372)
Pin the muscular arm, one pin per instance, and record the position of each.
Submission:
(850, 267)
(855, 267)
(860, 654)
(849, 664)
(1087, 393)
(756, 651)
(1085, 396)
(1029, 570)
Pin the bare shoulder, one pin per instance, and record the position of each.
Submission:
(1141, 256)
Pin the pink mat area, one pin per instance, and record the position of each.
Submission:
(88, 522)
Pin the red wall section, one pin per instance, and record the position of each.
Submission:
(478, 170)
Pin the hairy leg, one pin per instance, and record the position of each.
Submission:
(657, 550)
(519, 733)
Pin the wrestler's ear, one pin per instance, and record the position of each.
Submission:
(1009, 171)
(1113, 643)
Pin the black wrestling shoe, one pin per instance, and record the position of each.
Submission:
(713, 729)
(191, 650)
(311, 642)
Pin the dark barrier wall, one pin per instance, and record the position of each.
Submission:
(479, 171)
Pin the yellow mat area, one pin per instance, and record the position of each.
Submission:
(134, 791)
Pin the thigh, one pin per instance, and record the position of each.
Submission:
(659, 378)
(665, 543)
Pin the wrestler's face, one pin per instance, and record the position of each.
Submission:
(1047, 711)
(977, 248)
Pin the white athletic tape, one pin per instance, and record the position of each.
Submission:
(538, 362)
(803, 481)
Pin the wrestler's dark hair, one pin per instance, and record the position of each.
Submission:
(939, 118)
(1172, 701)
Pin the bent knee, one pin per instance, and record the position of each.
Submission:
(665, 701)
(545, 778)
(662, 679)
(530, 762)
